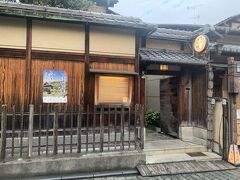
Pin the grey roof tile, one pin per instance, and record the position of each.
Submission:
(163, 56)
(227, 20)
(173, 34)
(227, 48)
(45, 12)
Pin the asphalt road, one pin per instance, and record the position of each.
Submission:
(218, 175)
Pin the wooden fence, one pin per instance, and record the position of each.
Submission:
(45, 132)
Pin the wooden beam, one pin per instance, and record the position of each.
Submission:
(112, 59)
(86, 67)
(28, 62)
(9, 52)
(55, 55)
(103, 71)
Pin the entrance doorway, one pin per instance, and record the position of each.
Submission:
(180, 99)
(162, 96)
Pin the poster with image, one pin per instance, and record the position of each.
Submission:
(55, 86)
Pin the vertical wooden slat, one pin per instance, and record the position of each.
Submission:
(39, 129)
(64, 128)
(109, 117)
(94, 128)
(47, 127)
(129, 127)
(3, 133)
(142, 126)
(21, 130)
(122, 128)
(30, 130)
(101, 130)
(79, 131)
(87, 128)
(55, 131)
(225, 131)
(135, 126)
(115, 128)
(71, 130)
(13, 129)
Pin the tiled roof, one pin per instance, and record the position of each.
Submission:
(171, 34)
(226, 48)
(44, 12)
(185, 27)
(163, 56)
(227, 20)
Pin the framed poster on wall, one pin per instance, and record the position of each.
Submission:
(55, 86)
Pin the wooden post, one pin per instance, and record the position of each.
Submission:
(135, 126)
(55, 131)
(86, 68)
(233, 89)
(13, 128)
(30, 130)
(101, 130)
(28, 61)
(225, 131)
(109, 118)
(3, 133)
(79, 132)
(142, 92)
(64, 128)
(136, 78)
(129, 128)
(21, 130)
(40, 129)
(142, 126)
(94, 126)
(122, 128)
(87, 128)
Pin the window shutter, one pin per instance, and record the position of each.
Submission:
(114, 89)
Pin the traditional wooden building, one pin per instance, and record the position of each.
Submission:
(74, 81)
(170, 53)
(80, 73)
(198, 102)
(88, 46)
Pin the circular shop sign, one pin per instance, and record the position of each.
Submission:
(200, 43)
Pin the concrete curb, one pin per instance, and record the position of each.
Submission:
(65, 165)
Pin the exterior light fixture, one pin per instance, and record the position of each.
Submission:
(164, 67)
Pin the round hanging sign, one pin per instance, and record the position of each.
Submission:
(200, 43)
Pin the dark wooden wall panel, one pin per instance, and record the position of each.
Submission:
(199, 98)
(75, 72)
(12, 81)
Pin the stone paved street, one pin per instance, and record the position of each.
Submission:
(219, 175)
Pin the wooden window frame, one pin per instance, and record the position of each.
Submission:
(96, 91)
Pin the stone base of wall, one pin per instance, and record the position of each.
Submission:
(193, 134)
(65, 165)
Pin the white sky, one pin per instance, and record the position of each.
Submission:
(179, 11)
